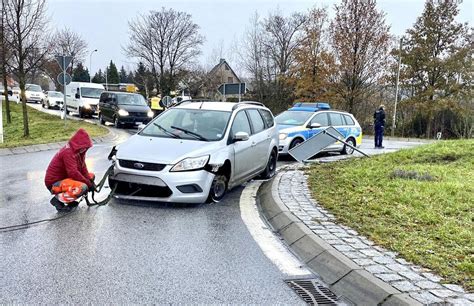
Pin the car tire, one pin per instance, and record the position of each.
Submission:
(295, 142)
(346, 150)
(218, 188)
(117, 123)
(101, 119)
(270, 169)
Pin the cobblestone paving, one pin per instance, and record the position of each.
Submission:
(418, 282)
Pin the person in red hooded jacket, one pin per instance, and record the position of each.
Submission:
(67, 176)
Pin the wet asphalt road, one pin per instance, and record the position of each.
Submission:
(124, 252)
(128, 252)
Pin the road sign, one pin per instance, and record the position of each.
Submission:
(61, 78)
(166, 101)
(232, 89)
(315, 144)
(63, 61)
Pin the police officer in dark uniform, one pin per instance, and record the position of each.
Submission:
(379, 124)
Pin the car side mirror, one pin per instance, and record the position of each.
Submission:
(77, 96)
(10, 93)
(314, 125)
(241, 136)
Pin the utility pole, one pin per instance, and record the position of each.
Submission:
(396, 87)
(90, 66)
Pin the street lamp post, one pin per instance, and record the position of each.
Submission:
(90, 66)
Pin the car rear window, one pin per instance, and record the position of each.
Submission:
(257, 121)
(336, 119)
(267, 117)
(349, 120)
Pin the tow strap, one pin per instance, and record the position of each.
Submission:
(98, 187)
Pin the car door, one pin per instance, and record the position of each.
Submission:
(337, 121)
(260, 140)
(103, 101)
(320, 118)
(243, 150)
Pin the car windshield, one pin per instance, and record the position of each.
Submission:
(131, 99)
(195, 124)
(55, 94)
(95, 93)
(32, 87)
(293, 117)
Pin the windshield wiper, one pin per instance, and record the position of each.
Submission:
(190, 133)
(166, 131)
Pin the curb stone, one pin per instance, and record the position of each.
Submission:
(50, 146)
(345, 278)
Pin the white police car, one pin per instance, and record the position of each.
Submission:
(304, 120)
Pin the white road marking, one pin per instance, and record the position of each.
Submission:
(271, 246)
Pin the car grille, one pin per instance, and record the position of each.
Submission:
(138, 114)
(133, 164)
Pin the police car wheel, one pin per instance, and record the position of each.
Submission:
(348, 150)
(295, 142)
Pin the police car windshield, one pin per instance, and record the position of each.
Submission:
(293, 117)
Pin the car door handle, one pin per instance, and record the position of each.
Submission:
(254, 144)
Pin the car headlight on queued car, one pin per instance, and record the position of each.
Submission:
(150, 114)
(122, 113)
(282, 136)
(191, 163)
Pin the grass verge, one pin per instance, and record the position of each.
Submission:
(418, 202)
(44, 128)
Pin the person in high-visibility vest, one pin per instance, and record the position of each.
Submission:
(155, 105)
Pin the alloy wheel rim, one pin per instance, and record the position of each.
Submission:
(219, 186)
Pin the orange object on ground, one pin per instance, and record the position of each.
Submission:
(68, 190)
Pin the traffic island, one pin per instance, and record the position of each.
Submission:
(353, 266)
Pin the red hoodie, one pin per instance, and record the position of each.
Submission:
(69, 162)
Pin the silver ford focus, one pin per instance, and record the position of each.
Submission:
(196, 151)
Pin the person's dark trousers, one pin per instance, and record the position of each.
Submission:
(378, 136)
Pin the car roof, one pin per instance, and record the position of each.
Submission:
(310, 106)
(219, 106)
(121, 92)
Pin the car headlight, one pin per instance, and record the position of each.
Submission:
(192, 163)
(282, 136)
(87, 106)
(122, 112)
(150, 114)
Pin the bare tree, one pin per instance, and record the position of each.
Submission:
(4, 57)
(283, 35)
(360, 41)
(26, 21)
(165, 41)
(70, 43)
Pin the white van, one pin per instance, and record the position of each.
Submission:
(83, 98)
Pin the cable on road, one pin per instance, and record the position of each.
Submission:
(97, 188)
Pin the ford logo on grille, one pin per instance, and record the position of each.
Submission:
(138, 165)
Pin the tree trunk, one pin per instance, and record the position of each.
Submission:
(5, 92)
(26, 130)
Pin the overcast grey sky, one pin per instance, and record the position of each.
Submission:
(104, 23)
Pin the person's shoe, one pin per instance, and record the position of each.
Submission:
(381, 147)
(73, 204)
(58, 204)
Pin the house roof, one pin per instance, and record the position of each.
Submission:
(222, 62)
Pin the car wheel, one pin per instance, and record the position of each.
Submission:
(348, 150)
(295, 142)
(101, 119)
(270, 169)
(218, 188)
(117, 123)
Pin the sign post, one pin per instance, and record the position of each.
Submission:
(1, 120)
(64, 78)
(232, 89)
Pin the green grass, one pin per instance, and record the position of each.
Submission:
(427, 216)
(44, 128)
